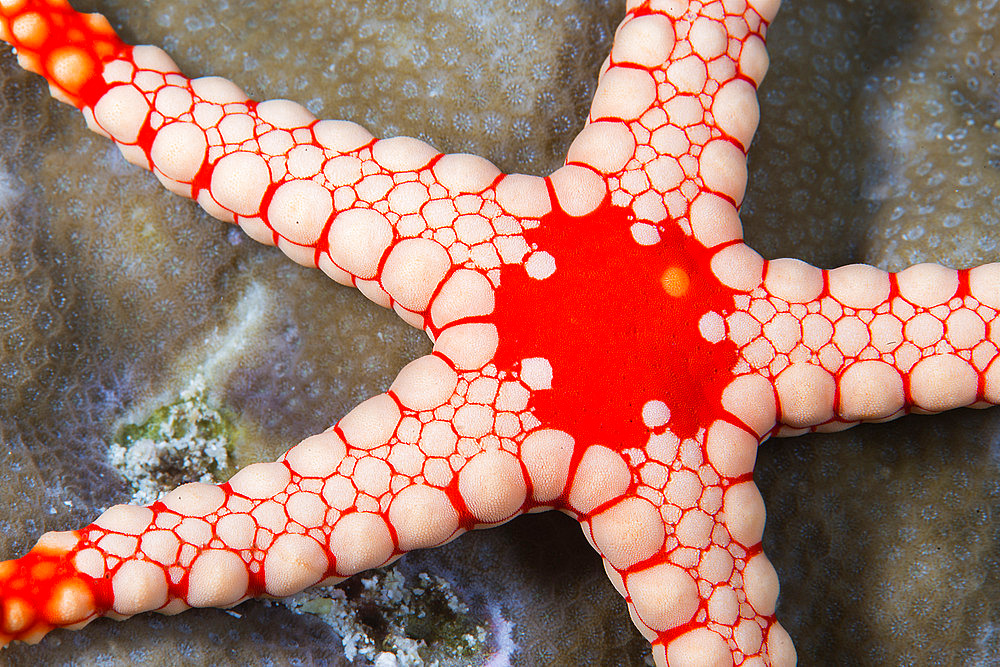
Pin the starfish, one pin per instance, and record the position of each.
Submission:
(654, 457)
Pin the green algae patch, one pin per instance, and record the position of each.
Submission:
(189, 440)
(386, 618)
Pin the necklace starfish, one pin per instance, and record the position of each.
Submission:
(566, 444)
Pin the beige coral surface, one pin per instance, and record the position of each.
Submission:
(115, 294)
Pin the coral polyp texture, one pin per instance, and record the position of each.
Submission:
(604, 342)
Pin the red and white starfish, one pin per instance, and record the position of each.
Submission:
(542, 391)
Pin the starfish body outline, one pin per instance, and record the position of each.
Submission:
(812, 350)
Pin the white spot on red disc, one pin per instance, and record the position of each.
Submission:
(537, 373)
(655, 414)
(644, 233)
(540, 265)
(712, 327)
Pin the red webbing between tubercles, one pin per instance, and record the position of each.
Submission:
(43, 590)
(66, 47)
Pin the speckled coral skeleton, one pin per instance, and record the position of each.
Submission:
(791, 281)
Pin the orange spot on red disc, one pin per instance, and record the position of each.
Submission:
(675, 281)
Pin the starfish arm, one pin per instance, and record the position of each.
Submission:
(393, 217)
(683, 547)
(443, 451)
(66, 47)
(859, 344)
(672, 119)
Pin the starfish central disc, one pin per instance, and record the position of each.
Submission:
(629, 336)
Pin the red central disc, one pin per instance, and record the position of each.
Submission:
(618, 322)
